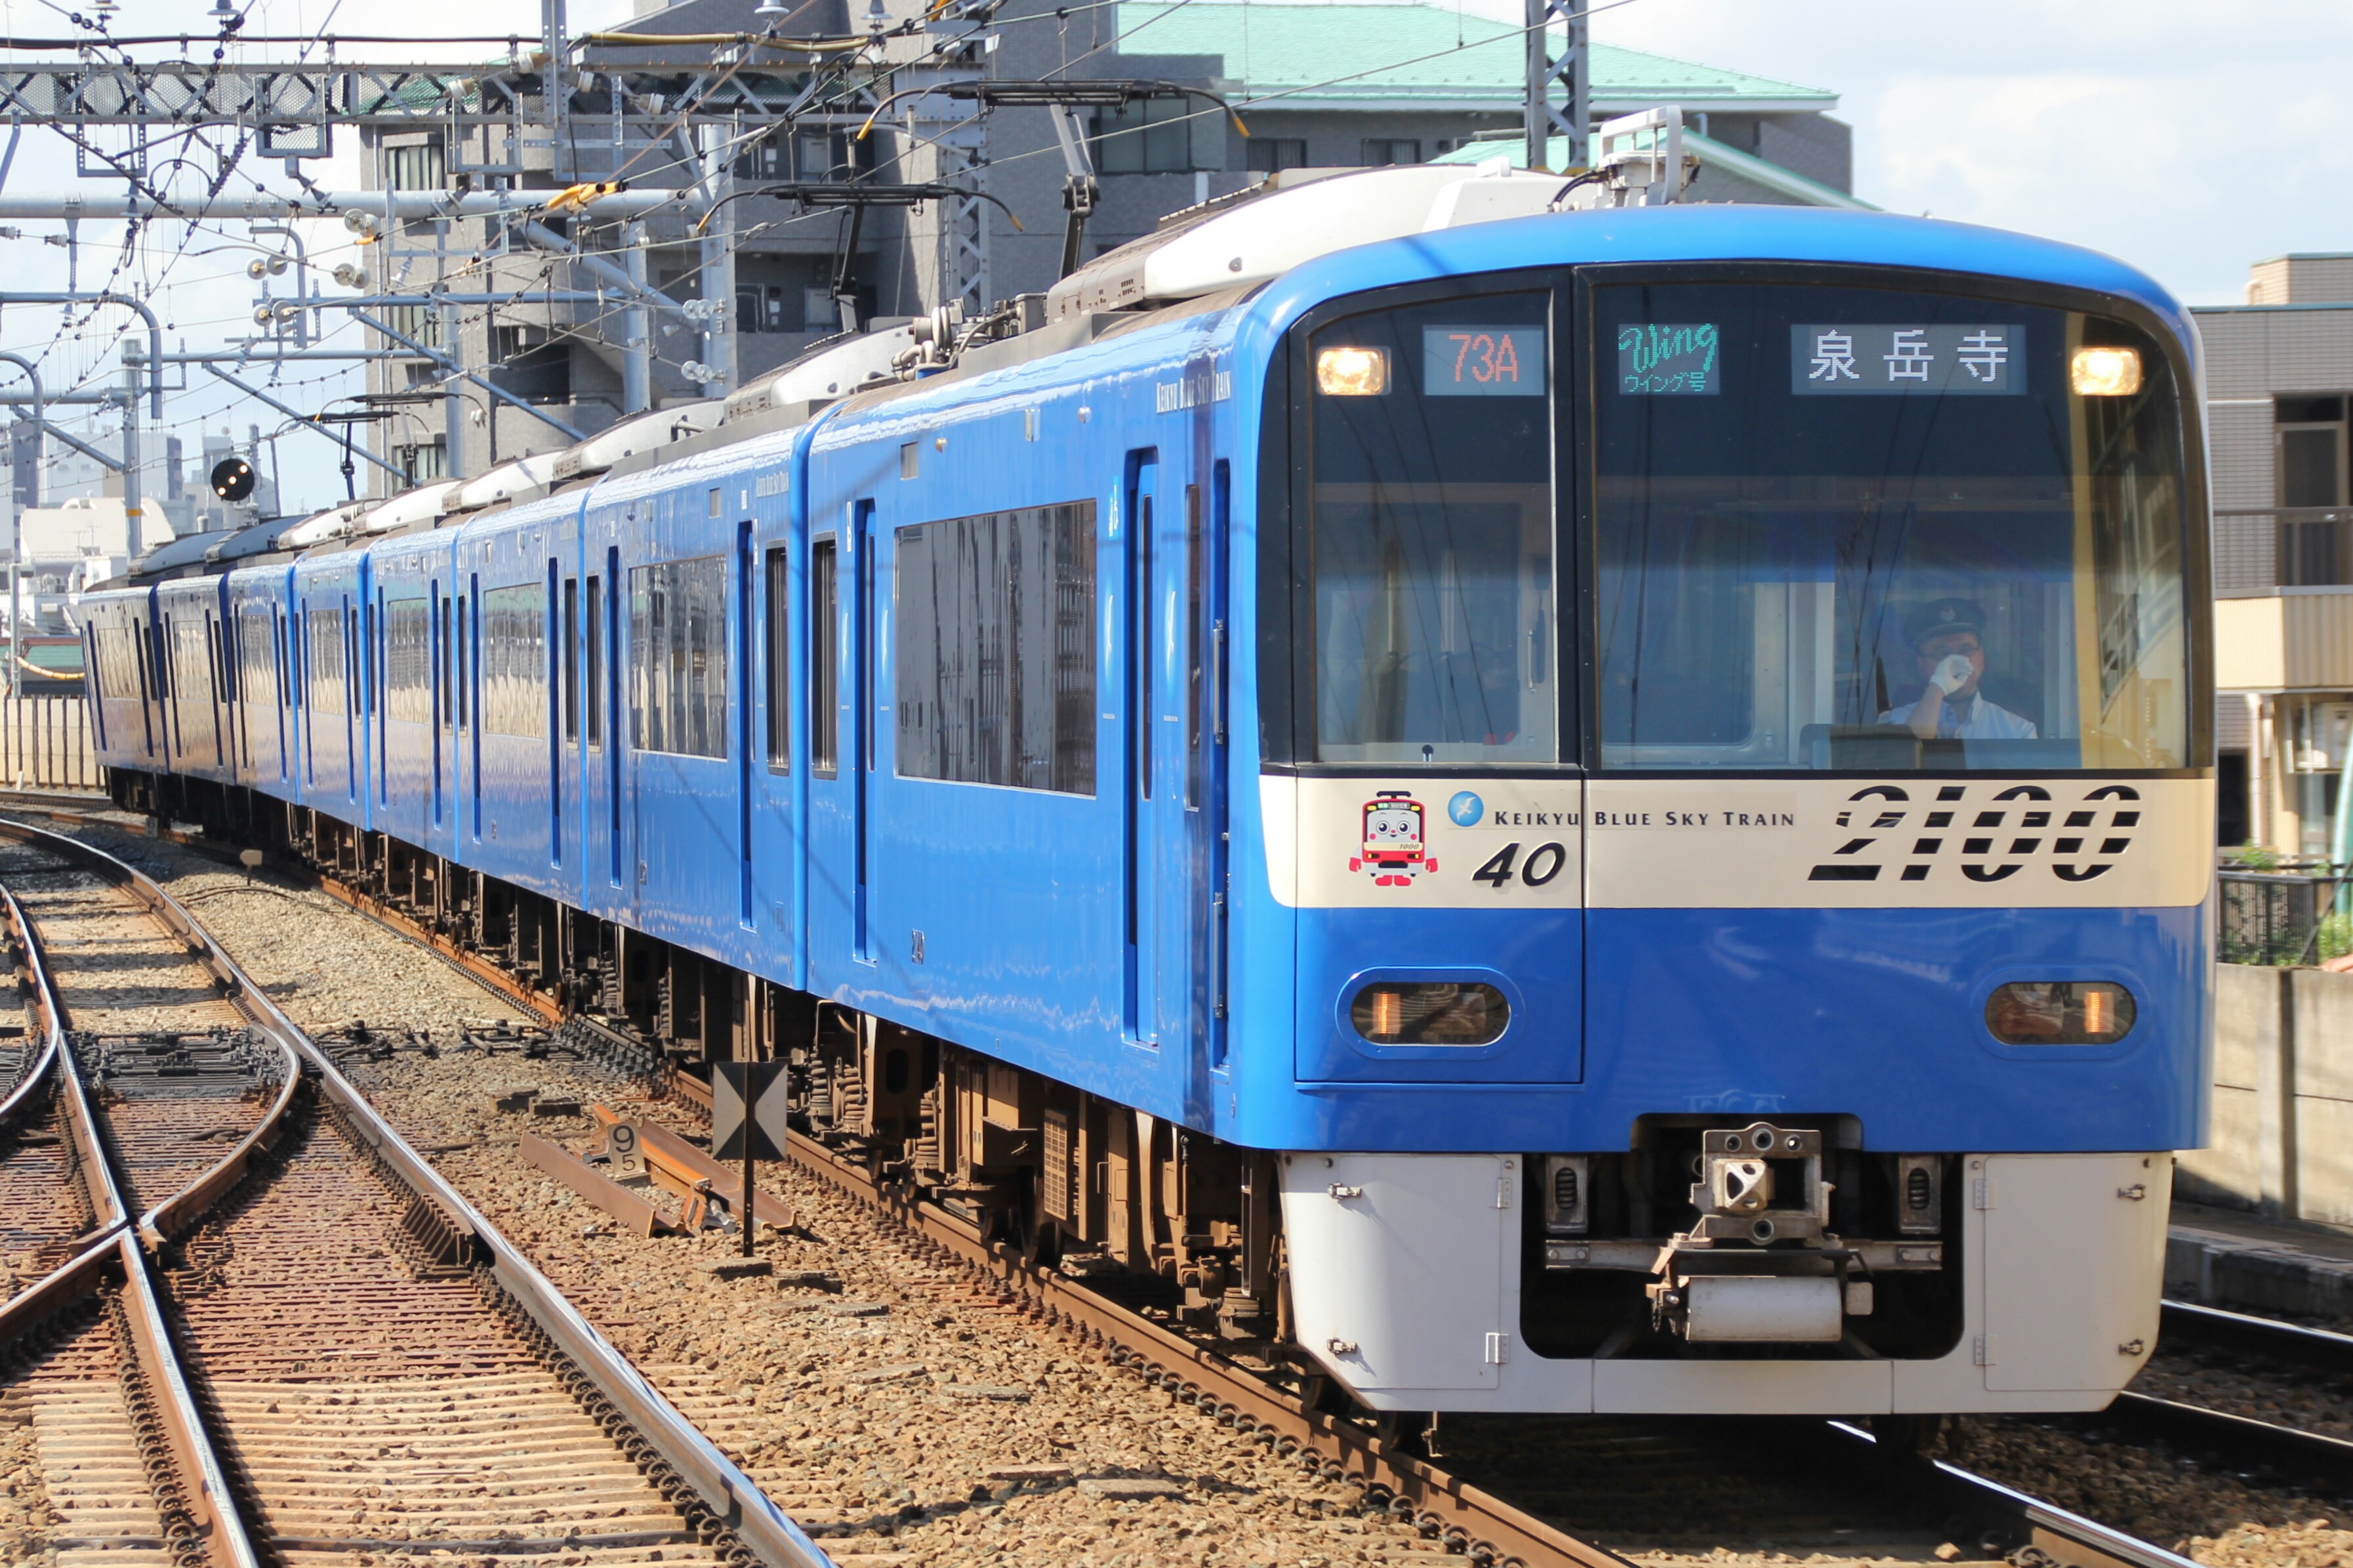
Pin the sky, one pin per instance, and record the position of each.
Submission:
(2188, 139)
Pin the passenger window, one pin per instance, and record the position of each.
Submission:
(1192, 644)
(572, 658)
(825, 658)
(995, 648)
(779, 665)
(446, 717)
(677, 657)
(596, 665)
(462, 644)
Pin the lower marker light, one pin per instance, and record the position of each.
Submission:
(2059, 1012)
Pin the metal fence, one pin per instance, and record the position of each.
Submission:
(2267, 916)
(44, 743)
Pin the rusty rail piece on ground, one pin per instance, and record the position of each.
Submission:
(200, 1504)
(632, 1210)
(678, 1166)
(732, 1495)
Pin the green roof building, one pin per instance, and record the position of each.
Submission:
(1349, 85)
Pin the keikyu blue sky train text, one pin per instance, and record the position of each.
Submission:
(1529, 804)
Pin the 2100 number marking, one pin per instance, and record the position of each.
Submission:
(1543, 864)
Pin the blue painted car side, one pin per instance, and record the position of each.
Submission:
(403, 740)
(1019, 894)
(122, 685)
(1079, 933)
(514, 830)
(698, 851)
(329, 596)
(262, 706)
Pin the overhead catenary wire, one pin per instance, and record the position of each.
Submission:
(831, 94)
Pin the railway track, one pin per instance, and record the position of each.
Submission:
(281, 1337)
(1895, 1491)
(2212, 1336)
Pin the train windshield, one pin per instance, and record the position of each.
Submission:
(1431, 525)
(1864, 529)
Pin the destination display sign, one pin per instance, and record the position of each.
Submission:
(1482, 362)
(1668, 359)
(1846, 360)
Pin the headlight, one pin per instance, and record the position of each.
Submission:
(2105, 371)
(1352, 372)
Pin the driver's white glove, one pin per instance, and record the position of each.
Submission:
(1953, 674)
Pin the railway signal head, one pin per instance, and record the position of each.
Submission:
(233, 478)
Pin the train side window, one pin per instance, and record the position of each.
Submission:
(1192, 644)
(572, 658)
(462, 646)
(994, 643)
(512, 661)
(825, 658)
(595, 664)
(677, 657)
(780, 654)
(445, 662)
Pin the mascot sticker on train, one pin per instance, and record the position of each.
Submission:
(1393, 850)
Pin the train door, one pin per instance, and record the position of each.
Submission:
(604, 678)
(862, 724)
(1174, 801)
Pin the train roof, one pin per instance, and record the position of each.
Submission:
(1261, 257)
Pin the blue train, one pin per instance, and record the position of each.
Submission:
(1534, 807)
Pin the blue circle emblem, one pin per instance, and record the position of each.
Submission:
(1466, 809)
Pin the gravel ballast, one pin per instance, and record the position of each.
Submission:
(945, 1429)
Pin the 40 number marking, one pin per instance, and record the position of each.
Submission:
(1505, 866)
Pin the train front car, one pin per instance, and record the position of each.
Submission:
(1735, 768)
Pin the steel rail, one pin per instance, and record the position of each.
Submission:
(78, 1276)
(2188, 1324)
(1489, 1528)
(1466, 1518)
(203, 1497)
(21, 1096)
(2068, 1539)
(733, 1496)
(2244, 1440)
(183, 1208)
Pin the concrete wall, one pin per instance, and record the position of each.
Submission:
(2282, 1142)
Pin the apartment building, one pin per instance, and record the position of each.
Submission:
(2279, 373)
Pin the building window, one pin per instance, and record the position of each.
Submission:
(1382, 151)
(418, 168)
(808, 156)
(2312, 455)
(527, 362)
(425, 461)
(418, 323)
(677, 657)
(1273, 154)
(1154, 136)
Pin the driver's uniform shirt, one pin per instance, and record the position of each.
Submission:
(1976, 720)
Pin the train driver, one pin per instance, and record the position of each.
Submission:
(1946, 638)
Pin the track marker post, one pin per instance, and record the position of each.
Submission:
(747, 1123)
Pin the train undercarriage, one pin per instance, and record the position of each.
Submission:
(1164, 1215)
(1802, 1273)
